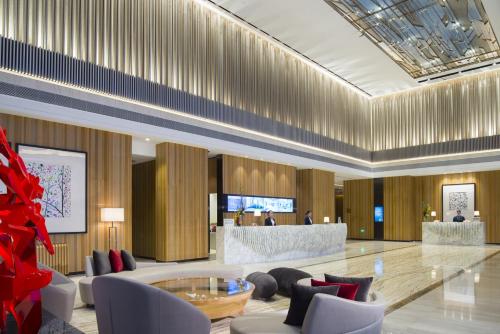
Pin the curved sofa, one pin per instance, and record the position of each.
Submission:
(149, 273)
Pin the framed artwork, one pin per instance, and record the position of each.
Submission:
(459, 197)
(63, 175)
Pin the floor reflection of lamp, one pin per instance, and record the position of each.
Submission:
(113, 215)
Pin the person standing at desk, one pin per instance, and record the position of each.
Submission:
(458, 218)
(270, 219)
(308, 218)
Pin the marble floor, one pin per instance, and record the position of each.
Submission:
(415, 279)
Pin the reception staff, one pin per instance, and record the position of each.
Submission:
(270, 219)
(308, 218)
(459, 218)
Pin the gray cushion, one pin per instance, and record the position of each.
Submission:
(285, 277)
(101, 263)
(265, 285)
(128, 260)
(301, 298)
(262, 323)
(364, 285)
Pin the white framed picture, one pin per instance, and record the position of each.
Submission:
(63, 175)
(459, 197)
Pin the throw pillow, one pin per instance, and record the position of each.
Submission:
(346, 291)
(128, 260)
(116, 260)
(364, 285)
(102, 266)
(301, 298)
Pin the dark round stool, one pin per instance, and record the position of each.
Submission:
(285, 277)
(265, 285)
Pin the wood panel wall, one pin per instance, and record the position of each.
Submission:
(358, 208)
(212, 175)
(429, 190)
(109, 177)
(259, 178)
(181, 202)
(399, 208)
(315, 192)
(143, 209)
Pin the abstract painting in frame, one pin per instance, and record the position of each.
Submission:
(459, 197)
(63, 175)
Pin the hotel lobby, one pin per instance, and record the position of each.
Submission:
(249, 167)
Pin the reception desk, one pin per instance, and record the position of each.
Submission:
(450, 233)
(257, 244)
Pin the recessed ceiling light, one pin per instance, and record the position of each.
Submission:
(147, 139)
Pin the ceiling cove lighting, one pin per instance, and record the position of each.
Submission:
(425, 37)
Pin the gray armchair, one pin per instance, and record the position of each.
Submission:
(326, 315)
(59, 296)
(125, 306)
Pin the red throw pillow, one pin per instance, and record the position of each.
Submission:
(115, 258)
(347, 291)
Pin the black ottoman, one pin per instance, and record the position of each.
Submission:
(265, 285)
(285, 277)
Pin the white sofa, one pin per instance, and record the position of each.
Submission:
(152, 272)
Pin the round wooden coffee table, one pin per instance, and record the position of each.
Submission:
(216, 297)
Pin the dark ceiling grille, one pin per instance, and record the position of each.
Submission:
(425, 37)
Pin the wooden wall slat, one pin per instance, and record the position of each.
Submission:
(143, 209)
(259, 178)
(109, 177)
(316, 192)
(358, 208)
(181, 202)
(399, 208)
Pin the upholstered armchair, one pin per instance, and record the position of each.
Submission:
(59, 296)
(326, 315)
(125, 306)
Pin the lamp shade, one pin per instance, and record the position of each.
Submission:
(257, 213)
(476, 213)
(326, 219)
(112, 214)
(433, 213)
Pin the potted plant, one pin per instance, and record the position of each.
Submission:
(426, 211)
(238, 215)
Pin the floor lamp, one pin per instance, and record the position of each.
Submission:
(113, 215)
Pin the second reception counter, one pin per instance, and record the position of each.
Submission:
(256, 244)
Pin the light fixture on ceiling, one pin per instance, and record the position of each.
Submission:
(147, 139)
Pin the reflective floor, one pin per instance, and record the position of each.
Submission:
(428, 289)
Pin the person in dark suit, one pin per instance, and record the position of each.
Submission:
(459, 218)
(308, 218)
(270, 219)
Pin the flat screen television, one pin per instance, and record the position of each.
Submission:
(253, 203)
(379, 214)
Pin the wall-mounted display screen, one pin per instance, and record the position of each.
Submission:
(253, 203)
(379, 214)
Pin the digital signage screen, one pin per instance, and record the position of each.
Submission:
(379, 214)
(253, 203)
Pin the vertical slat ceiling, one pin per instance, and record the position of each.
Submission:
(184, 45)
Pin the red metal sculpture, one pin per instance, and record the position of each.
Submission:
(21, 224)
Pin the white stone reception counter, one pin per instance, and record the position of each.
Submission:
(449, 233)
(257, 244)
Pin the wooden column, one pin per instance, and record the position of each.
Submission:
(399, 208)
(181, 202)
(315, 192)
(358, 208)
